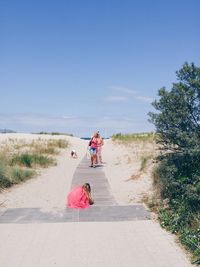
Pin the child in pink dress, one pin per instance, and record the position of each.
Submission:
(80, 197)
(100, 143)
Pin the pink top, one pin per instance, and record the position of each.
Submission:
(78, 199)
(94, 142)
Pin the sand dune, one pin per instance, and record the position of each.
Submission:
(123, 163)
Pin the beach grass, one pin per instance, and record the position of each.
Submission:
(10, 175)
(20, 158)
(144, 161)
(20, 175)
(29, 160)
(135, 137)
(4, 177)
(50, 146)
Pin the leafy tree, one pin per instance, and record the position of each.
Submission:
(177, 123)
(178, 119)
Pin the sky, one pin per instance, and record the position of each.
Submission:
(78, 66)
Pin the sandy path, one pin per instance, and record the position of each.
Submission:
(47, 191)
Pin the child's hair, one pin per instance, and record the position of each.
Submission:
(87, 187)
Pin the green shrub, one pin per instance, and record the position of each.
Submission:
(42, 160)
(23, 159)
(177, 123)
(13, 167)
(28, 160)
(190, 238)
(20, 175)
(184, 223)
(178, 180)
(4, 179)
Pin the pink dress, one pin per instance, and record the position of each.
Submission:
(99, 147)
(77, 199)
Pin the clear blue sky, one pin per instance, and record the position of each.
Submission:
(80, 65)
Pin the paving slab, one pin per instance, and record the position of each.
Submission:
(93, 214)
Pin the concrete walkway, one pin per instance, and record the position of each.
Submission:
(104, 235)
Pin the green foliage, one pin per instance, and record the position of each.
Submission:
(186, 225)
(10, 175)
(15, 168)
(23, 159)
(28, 160)
(4, 179)
(177, 176)
(137, 137)
(178, 118)
(20, 175)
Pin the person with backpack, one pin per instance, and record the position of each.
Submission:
(93, 149)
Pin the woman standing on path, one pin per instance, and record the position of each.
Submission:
(93, 149)
(100, 143)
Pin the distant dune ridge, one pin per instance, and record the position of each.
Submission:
(7, 131)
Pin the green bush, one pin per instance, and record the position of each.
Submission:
(20, 175)
(179, 183)
(180, 179)
(4, 179)
(177, 178)
(15, 168)
(28, 160)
